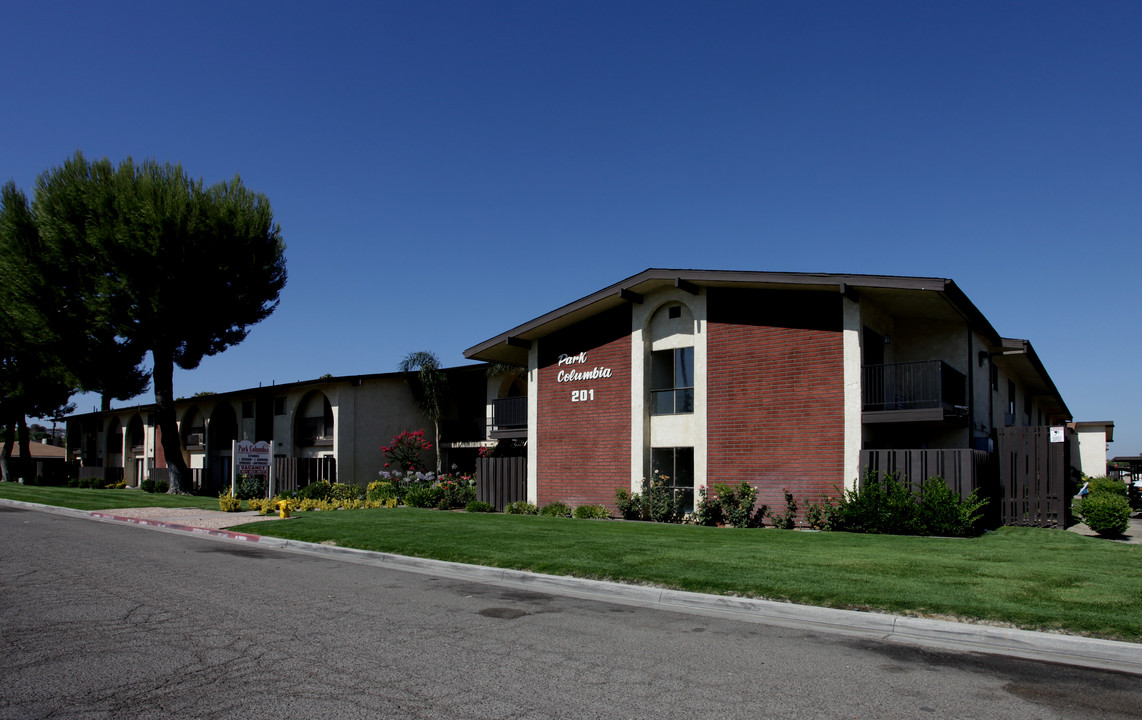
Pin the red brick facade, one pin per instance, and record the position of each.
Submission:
(775, 395)
(584, 446)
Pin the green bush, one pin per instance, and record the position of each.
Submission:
(381, 490)
(661, 503)
(1107, 513)
(422, 497)
(1107, 485)
(148, 485)
(787, 519)
(556, 509)
(629, 504)
(477, 506)
(819, 515)
(591, 512)
(941, 511)
(320, 490)
(708, 510)
(521, 507)
(251, 486)
(737, 503)
(887, 505)
(455, 492)
(162, 486)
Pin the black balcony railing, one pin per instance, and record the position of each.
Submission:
(509, 414)
(913, 386)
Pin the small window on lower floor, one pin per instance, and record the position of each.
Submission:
(674, 466)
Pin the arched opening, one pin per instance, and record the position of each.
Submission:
(221, 434)
(313, 429)
(113, 446)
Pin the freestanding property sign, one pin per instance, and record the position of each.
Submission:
(252, 458)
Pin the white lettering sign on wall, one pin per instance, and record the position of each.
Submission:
(576, 375)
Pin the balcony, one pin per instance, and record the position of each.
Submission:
(928, 391)
(509, 418)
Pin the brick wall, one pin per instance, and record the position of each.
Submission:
(776, 393)
(584, 447)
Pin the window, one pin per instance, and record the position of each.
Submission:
(672, 381)
(1027, 406)
(1011, 398)
(675, 466)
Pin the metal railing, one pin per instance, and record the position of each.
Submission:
(509, 413)
(912, 386)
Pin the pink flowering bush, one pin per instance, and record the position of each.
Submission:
(406, 452)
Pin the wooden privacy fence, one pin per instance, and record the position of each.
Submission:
(1036, 477)
(292, 474)
(500, 481)
(202, 481)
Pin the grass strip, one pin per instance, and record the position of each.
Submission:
(1027, 577)
(88, 499)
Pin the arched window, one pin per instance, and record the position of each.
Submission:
(314, 420)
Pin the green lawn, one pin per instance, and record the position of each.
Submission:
(1037, 579)
(87, 499)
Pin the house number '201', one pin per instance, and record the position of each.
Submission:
(582, 395)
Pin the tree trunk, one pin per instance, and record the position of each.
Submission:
(6, 454)
(163, 376)
(25, 468)
(436, 427)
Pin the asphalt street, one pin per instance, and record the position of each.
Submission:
(105, 620)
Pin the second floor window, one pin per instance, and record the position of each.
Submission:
(672, 381)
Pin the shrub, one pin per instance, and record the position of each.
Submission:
(880, 504)
(228, 503)
(422, 497)
(1107, 513)
(630, 505)
(406, 451)
(380, 490)
(117, 485)
(320, 490)
(521, 507)
(250, 486)
(477, 506)
(591, 512)
(819, 515)
(708, 511)
(885, 504)
(148, 485)
(1107, 485)
(660, 502)
(456, 491)
(787, 520)
(940, 511)
(736, 502)
(556, 509)
(345, 492)
(162, 486)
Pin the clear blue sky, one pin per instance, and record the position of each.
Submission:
(443, 171)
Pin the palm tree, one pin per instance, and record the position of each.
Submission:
(429, 387)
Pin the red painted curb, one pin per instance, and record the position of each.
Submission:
(245, 537)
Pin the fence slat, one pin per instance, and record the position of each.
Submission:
(500, 481)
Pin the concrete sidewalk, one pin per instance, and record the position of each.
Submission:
(945, 635)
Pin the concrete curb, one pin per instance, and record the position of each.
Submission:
(941, 634)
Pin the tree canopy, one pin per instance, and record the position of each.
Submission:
(141, 257)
